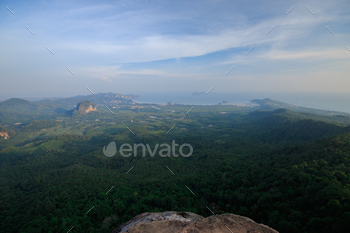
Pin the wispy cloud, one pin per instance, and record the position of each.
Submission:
(192, 40)
(144, 48)
(328, 54)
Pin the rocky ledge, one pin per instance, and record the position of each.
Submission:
(186, 222)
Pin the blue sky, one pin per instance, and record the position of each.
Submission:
(173, 46)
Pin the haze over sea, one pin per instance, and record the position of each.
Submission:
(326, 101)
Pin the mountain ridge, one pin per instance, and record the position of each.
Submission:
(268, 104)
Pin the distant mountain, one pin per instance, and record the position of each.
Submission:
(85, 106)
(335, 119)
(100, 98)
(20, 105)
(270, 105)
(20, 110)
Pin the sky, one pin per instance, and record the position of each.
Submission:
(134, 47)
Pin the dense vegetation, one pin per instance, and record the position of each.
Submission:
(279, 168)
(3, 129)
(269, 105)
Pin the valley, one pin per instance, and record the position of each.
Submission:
(286, 169)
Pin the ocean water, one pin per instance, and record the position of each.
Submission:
(326, 101)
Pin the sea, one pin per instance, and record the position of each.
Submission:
(326, 101)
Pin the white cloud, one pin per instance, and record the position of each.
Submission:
(328, 54)
(91, 39)
(159, 47)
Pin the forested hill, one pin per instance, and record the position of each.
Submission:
(309, 186)
(19, 110)
(254, 165)
(335, 119)
(2, 129)
(269, 105)
(100, 98)
(19, 105)
(292, 128)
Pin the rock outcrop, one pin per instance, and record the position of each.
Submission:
(4, 134)
(186, 222)
(90, 108)
(85, 106)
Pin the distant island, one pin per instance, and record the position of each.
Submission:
(223, 102)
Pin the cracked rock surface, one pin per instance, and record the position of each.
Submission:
(187, 222)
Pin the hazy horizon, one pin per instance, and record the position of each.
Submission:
(317, 100)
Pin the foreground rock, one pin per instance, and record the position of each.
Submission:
(186, 222)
